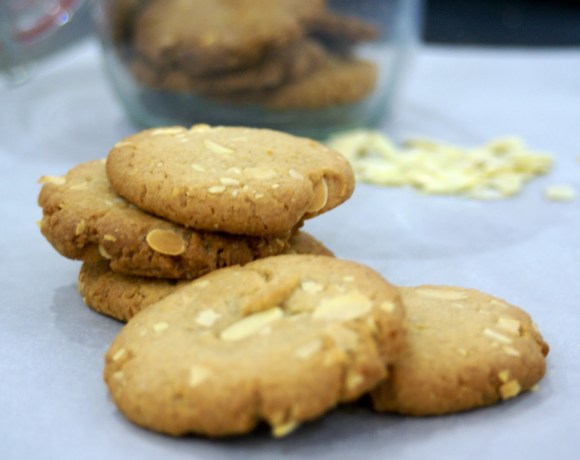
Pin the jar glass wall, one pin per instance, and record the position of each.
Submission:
(309, 67)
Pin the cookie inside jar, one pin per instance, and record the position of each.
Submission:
(305, 66)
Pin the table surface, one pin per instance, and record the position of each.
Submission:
(524, 249)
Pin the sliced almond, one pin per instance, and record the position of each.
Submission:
(207, 317)
(447, 294)
(56, 180)
(513, 326)
(165, 242)
(510, 389)
(343, 307)
(251, 324)
(306, 351)
(320, 196)
(198, 375)
(216, 148)
(259, 173)
(279, 431)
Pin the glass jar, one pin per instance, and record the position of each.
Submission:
(309, 67)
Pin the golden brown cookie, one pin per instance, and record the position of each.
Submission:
(339, 81)
(208, 36)
(229, 179)
(279, 66)
(464, 349)
(280, 340)
(83, 218)
(123, 296)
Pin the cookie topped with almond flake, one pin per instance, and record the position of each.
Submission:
(83, 218)
(229, 179)
(123, 296)
(463, 349)
(281, 340)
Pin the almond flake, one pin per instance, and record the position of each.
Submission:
(198, 374)
(119, 355)
(343, 307)
(446, 294)
(216, 189)
(387, 306)
(259, 173)
(207, 317)
(295, 174)
(306, 351)
(251, 324)
(167, 131)
(279, 431)
(511, 351)
(311, 287)
(320, 197)
(354, 380)
(510, 389)
(214, 147)
(510, 325)
(160, 327)
(229, 181)
(197, 167)
(104, 254)
(81, 227)
(165, 242)
(504, 375)
(496, 336)
(56, 180)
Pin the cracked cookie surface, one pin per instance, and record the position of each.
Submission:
(463, 349)
(83, 218)
(230, 179)
(281, 340)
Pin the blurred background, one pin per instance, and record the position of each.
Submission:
(535, 23)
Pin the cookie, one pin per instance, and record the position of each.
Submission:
(281, 340)
(464, 349)
(279, 66)
(207, 36)
(229, 179)
(123, 296)
(332, 29)
(339, 81)
(83, 218)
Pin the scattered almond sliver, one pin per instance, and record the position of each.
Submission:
(495, 170)
(560, 193)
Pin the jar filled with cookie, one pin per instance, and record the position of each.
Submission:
(310, 67)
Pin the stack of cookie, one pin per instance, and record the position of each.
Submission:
(177, 203)
(283, 54)
(234, 319)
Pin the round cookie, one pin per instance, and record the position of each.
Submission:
(464, 349)
(280, 340)
(123, 296)
(230, 179)
(204, 37)
(83, 218)
(340, 81)
(278, 67)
